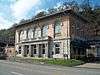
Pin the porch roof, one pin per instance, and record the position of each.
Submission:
(80, 44)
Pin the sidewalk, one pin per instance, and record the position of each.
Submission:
(90, 65)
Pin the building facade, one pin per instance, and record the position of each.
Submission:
(10, 51)
(57, 35)
(94, 42)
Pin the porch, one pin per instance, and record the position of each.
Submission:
(35, 50)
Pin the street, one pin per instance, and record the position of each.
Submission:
(15, 68)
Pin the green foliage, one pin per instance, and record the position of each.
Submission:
(92, 14)
(61, 62)
(68, 62)
(40, 14)
(7, 34)
(77, 57)
(86, 6)
(74, 6)
(80, 57)
(52, 11)
(91, 58)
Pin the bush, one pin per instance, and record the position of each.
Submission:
(83, 57)
(80, 57)
(77, 57)
(90, 58)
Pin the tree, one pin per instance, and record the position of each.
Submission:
(93, 16)
(7, 35)
(74, 6)
(63, 6)
(41, 14)
(96, 20)
(86, 6)
(86, 9)
(52, 11)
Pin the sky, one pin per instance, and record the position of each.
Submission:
(12, 11)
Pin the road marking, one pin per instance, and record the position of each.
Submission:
(28, 69)
(15, 73)
(25, 69)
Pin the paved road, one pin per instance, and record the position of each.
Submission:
(15, 68)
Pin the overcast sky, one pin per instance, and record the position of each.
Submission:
(11, 11)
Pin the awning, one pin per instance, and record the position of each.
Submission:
(80, 44)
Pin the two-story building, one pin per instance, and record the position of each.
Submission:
(52, 36)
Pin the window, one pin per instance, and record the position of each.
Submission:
(43, 49)
(19, 50)
(73, 29)
(30, 34)
(57, 48)
(34, 47)
(36, 33)
(44, 31)
(10, 51)
(27, 47)
(77, 28)
(57, 28)
(21, 35)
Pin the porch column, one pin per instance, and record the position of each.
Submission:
(37, 50)
(23, 50)
(46, 50)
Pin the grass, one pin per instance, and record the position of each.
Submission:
(68, 62)
(61, 62)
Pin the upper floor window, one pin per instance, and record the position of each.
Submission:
(36, 33)
(73, 28)
(30, 34)
(57, 27)
(21, 35)
(77, 28)
(44, 31)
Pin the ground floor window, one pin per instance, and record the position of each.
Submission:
(19, 50)
(43, 49)
(34, 47)
(27, 48)
(57, 48)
